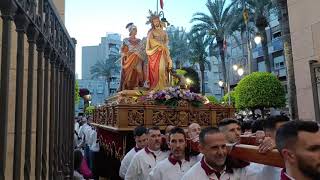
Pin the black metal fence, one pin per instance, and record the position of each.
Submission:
(38, 22)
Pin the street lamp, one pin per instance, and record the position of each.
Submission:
(257, 39)
(188, 81)
(235, 67)
(240, 71)
(220, 83)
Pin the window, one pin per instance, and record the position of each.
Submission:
(112, 46)
(276, 35)
(100, 89)
(207, 88)
(278, 61)
(112, 91)
(261, 64)
(206, 78)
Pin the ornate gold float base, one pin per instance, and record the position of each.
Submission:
(127, 109)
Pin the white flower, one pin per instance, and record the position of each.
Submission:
(167, 97)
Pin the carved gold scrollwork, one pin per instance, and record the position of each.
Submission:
(183, 118)
(194, 116)
(110, 116)
(158, 118)
(135, 117)
(115, 117)
(171, 118)
(104, 115)
(221, 115)
(204, 118)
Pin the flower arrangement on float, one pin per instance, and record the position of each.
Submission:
(172, 95)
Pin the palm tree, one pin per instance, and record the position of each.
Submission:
(239, 25)
(217, 24)
(178, 45)
(260, 9)
(106, 68)
(285, 29)
(198, 43)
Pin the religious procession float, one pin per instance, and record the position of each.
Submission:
(148, 97)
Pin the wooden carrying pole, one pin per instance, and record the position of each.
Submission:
(250, 153)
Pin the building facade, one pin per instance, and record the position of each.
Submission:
(304, 17)
(109, 45)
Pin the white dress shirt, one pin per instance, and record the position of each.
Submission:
(202, 171)
(126, 162)
(143, 163)
(265, 172)
(171, 169)
(84, 133)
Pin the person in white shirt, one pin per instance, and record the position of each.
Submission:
(146, 159)
(270, 127)
(215, 164)
(141, 140)
(232, 130)
(178, 163)
(299, 144)
(84, 133)
(165, 138)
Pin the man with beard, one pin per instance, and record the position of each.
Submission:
(299, 144)
(178, 163)
(140, 138)
(215, 163)
(159, 60)
(146, 159)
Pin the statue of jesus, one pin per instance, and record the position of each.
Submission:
(159, 61)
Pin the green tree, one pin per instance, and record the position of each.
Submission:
(213, 99)
(178, 45)
(198, 44)
(217, 24)
(106, 69)
(285, 30)
(76, 93)
(225, 98)
(89, 110)
(260, 90)
(260, 10)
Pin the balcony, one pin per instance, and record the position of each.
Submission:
(274, 46)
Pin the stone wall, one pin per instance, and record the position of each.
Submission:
(304, 19)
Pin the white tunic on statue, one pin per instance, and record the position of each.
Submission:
(198, 173)
(143, 163)
(170, 169)
(126, 162)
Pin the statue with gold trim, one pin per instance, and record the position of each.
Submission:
(133, 71)
(159, 60)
